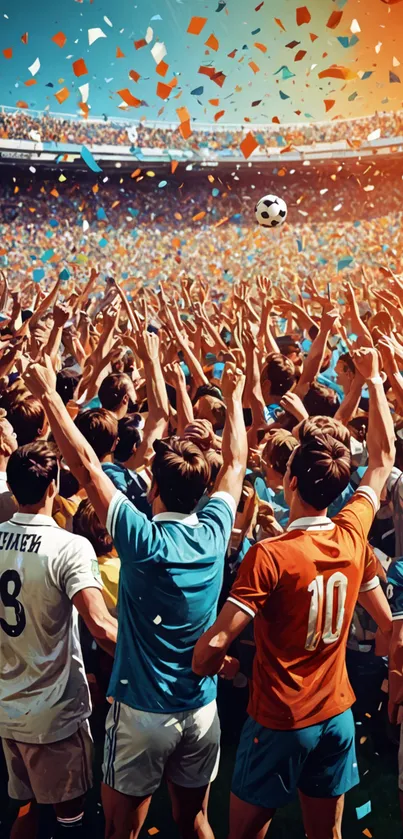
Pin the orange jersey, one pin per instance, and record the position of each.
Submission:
(302, 587)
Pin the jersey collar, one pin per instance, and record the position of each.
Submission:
(32, 519)
(184, 518)
(311, 523)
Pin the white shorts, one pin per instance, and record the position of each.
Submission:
(142, 747)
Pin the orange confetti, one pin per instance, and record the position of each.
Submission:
(162, 68)
(328, 103)
(174, 166)
(199, 216)
(178, 216)
(23, 811)
(80, 67)
(115, 204)
(59, 39)
(136, 173)
(334, 19)
(62, 95)
(119, 53)
(173, 82)
(248, 145)
(134, 75)
(185, 129)
(367, 832)
(183, 114)
(219, 78)
(212, 42)
(141, 43)
(313, 37)
(30, 82)
(176, 242)
(253, 66)
(232, 54)
(129, 98)
(24, 38)
(153, 831)
(336, 72)
(163, 90)
(54, 192)
(218, 115)
(261, 47)
(279, 23)
(207, 71)
(8, 53)
(222, 221)
(300, 55)
(303, 15)
(276, 119)
(214, 102)
(21, 104)
(211, 178)
(196, 25)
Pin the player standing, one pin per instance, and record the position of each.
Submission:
(301, 588)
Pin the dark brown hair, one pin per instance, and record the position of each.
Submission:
(181, 474)
(100, 428)
(86, 523)
(321, 465)
(27, 417)
(113, 390)
(280, 372)
(30, 471)
(278, 449)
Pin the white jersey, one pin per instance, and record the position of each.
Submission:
(44, 695)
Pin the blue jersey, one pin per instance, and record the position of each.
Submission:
(131, 484)
(170, 580)
(394, 590)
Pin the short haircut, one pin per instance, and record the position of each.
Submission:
(325, 425)
(30, 471)
(280, 372)
(113, 390)
(181, 474)
(86, 523)
(215, 462)
(28, 419)
(129, 437)
(279, 447)
(322, 467)
(100, 428)
(346, 359)
(321, 400)
(67, 381)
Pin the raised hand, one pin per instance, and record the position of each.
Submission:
(174, 375)
(294, 405)
(233, 382)
(148, 346)
(366, 361)
(40, 379)
(61, 315)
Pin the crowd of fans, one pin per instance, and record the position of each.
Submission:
(22, 125)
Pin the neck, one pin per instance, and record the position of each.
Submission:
(3, 463)
(43, 508)
(300, 510)
(108, 458)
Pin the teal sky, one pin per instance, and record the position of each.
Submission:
(233, 27)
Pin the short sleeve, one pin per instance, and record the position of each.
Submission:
(257, 578)
(218, 516)
(77, 567)
(395, 477)
(394, 590)
(359, 512)
(135, 538)
(370, 578)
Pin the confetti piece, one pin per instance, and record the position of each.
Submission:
(328, 103)
(337, 72)
(395, 62)
(35, 67)
(119, 53)
(364, 810)
(84, 90)
(302, 15)
(89, 160)
(174, 166)
(94, 34)
(80, 67)
(183, 114)
(30, 82)
(59, 39)
(24, 38)
(64, 274)
(198, 91)
(206, 71)
(259, 6)
(248, 145)
(313, 37)
(218, 115)
(185, 129)
(355, 27)
(158, 52)
(218, 78)
(300, 55)
(128, 97)
(285, 72)
(141, 43)
(374, 135)
(62, 95)
(378, 47)
(232, 54)
(62, 178)
(149, 34)
(363, 740)
(38, 275)
(157, 619)
(163, 90)
(261, 47)
(54, 192)
(8, 53)
(283, 95)
(280, 24)
(109, 22)
(255, 740)
(197, 217)
(254, 67)
(136, 173)
(162, 68)
(212, 42)
(334, 19)
(393, 77)
(196, 25)
(153, 831)
(367, 832)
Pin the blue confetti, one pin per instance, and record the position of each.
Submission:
(101, 214)
(255, 31)
(162, 184)
(215, 192)
(344, 262)
(47, 255)
(102, 242)
(285, 72)
(363, 810)
(38, 275)
(53, 222)
(197, 91)
(283, 95)
(89, 160)
(64, 274)
(299, 245)
(366, 75)
(156, 17)
(132, 212)
(352, 96)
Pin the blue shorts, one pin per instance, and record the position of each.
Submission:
(271, 765)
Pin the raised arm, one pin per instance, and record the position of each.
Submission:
(316, 353)
(176, 378)
(148, 348)
(234, 441)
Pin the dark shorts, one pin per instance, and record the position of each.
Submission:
(319, 760)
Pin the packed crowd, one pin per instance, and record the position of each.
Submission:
(173, 451)
(22, 125)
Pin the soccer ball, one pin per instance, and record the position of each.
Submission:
(271, 211)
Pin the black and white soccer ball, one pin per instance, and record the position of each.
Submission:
(271, 211)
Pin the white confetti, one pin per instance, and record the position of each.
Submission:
(124, 681)
(85, 225)
(337, 207)
(157, 619)
(378, 47)
(355, 27)
(109, 22)
(149, 34)
(395, 62)
(94, 34)
(374, 135)
(109, 80)
(84, 90)
(32, 169)
(369, 188)
(158, 52)
(323, 191)
(33, 69)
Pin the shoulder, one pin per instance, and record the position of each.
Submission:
(219, 502)
(363, 502)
